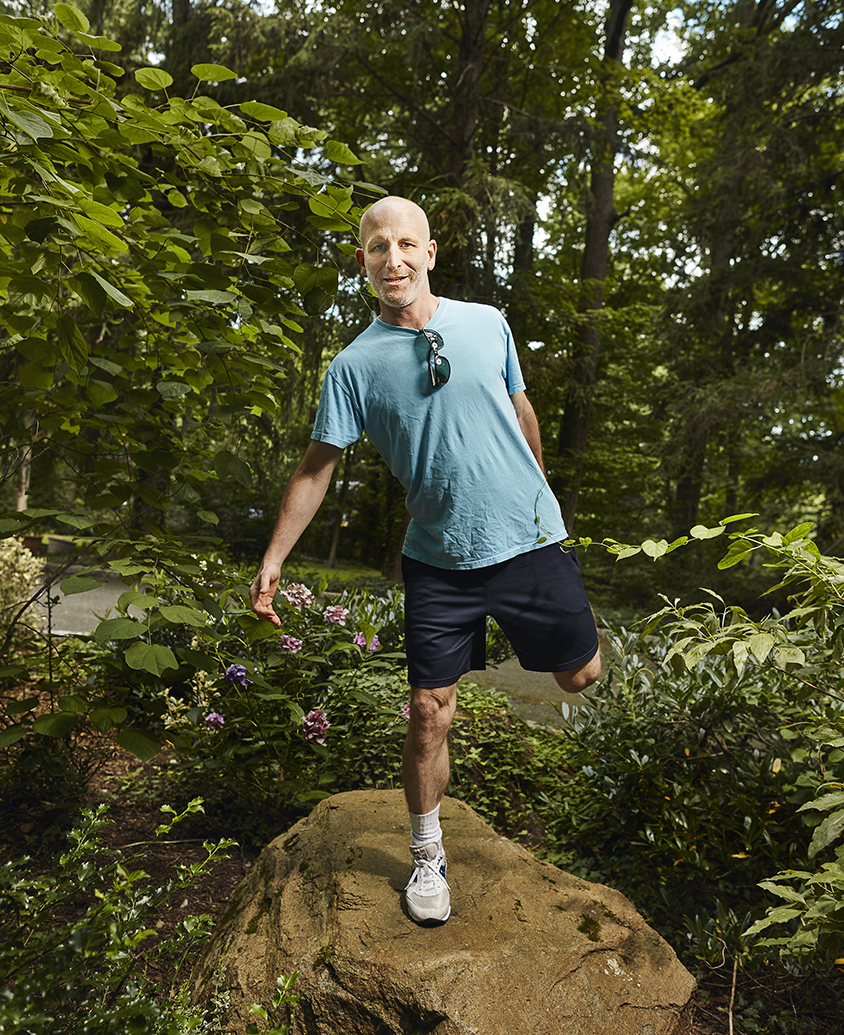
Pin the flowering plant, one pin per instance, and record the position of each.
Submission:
(315, 725)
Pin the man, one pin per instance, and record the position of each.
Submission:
(437, 387)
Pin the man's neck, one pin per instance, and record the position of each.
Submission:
(416, 315)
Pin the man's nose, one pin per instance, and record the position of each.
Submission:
(395, 258)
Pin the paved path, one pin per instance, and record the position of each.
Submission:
(533, 695)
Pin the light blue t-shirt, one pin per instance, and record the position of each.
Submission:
(475, 493)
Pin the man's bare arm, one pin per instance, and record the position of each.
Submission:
(305, 492)
(529, 425)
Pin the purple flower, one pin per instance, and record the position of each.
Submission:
(406, 710)
(360, 641)
(214, 721)
(335, 614)
(315, 725)
(298, 595)
(290, 644)
(236, 674)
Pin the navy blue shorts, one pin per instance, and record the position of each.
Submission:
(537, 598)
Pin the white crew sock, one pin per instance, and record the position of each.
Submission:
(425, 828)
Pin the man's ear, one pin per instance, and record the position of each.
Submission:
(432, 254)
(359, 257)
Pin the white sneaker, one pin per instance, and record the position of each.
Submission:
(427, 891)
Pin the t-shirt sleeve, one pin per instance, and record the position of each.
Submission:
(515, 381)
(338, 420)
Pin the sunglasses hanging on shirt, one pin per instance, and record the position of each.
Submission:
(438, 366)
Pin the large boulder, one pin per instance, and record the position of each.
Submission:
(529, 950)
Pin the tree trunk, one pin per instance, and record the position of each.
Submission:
(600, 219)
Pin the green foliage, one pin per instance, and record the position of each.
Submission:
(284, 998)
(77, 969)
(20, 573)
(813, 909)
(150, 288)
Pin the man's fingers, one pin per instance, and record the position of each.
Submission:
(261, 593)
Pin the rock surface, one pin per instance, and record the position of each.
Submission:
(529, 950)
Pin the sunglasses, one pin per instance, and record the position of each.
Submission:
(438, 366)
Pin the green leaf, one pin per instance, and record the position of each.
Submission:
(20, 707)
(654, 549)
(73, 347)
(73, 703)
(184, 615)
(57, 724)
(737, 552)
(119, 629)
(789, 655)
(172, 389)
(90, 291)
(80, 583)
(761, 645)
(105, 719)
(144, 744)
(227, 465)
(212, 73)
(71, 18)
(11, 735)
(702, 532)
(213, 295)
(115, 294)
(263, 112)
(826, 833)
(736, 517)
(151, 657)
(103, 239)
(153, 78)
(103, 43)
(337, 152)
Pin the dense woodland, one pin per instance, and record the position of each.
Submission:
(651, 193)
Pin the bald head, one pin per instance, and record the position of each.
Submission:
(396, 211)
(395, 255)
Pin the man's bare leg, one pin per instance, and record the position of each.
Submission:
(425, 762)
(425, 771)
(578, 679)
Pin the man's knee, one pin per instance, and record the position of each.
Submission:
(576, 680)
(431, 712)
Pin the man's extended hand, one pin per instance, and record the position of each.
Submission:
(262, 593)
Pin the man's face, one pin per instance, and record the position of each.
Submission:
(396, 254)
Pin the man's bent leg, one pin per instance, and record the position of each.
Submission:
(425, 771)
(575, 680)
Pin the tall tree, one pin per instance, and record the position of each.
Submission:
(601, 216)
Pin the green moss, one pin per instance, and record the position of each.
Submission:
(590, 927)
(252, 926)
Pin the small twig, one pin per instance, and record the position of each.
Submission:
(186, 841)
(733, 994)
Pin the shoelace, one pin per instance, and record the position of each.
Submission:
(428, 877)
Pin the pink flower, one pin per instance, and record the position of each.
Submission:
(335, 614)
(315, 725)
(406, 710)
(214, 721)
(298, 595)
(290, 644)
(360, 641)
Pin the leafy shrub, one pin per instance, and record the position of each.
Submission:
(83, 970)
(685, 788)
(20, 573)
(813, 913)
